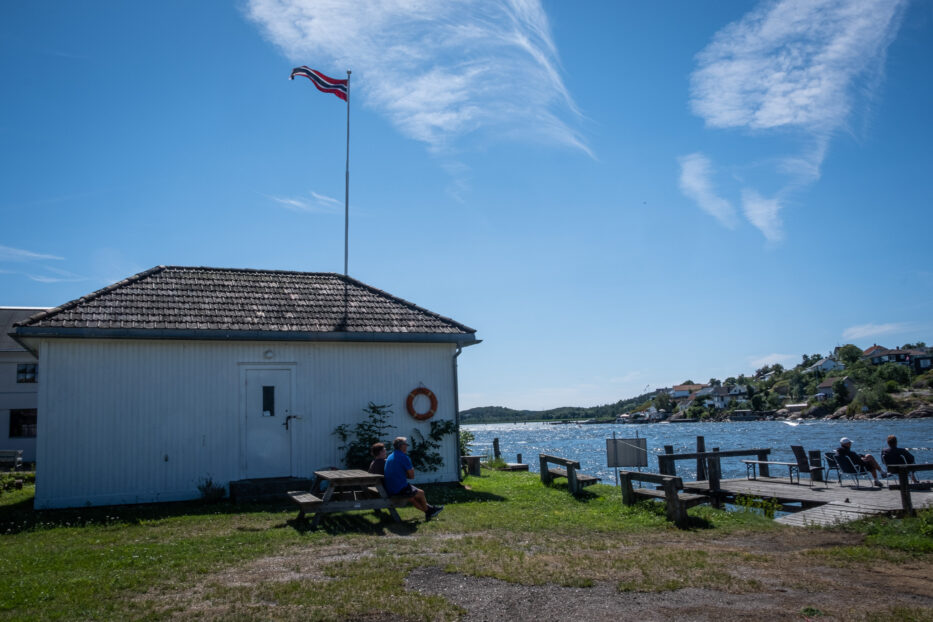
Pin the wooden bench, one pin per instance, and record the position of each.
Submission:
(670, 487)
(575, 481)
(751, 467)
(11, 459)
(308, 503)
(471, 465)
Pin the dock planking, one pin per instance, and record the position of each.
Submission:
(823, 504)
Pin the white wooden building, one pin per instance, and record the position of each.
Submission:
(177, 374)
(19, 387)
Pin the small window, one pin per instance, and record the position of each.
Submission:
(268, 401)
(26, 372)
(23, 423)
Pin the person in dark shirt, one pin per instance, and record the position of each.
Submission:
(892, 454)
(868, 461)
(378, 452)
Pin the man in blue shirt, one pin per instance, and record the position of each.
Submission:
(398, 470)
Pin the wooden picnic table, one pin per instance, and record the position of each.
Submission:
(346, 491)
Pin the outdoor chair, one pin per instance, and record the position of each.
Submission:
(887, 472)
(803, 463)
(846, 467)
(831, 465)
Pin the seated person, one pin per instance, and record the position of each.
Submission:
(892, 454)
(867, 461)
(378, 452)
(398, 470)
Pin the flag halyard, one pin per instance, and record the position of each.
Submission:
(322, 82)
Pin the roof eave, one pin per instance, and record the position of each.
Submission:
(25, 335)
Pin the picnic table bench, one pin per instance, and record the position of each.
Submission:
(11, 459)
(346, 491)
(670, 486)
(751, 468)
(575, 481)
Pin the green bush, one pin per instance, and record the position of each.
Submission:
(358, 439)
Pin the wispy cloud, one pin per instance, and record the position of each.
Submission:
(771, 359)
(763, 213)
(8, 253)
(863, 331)
(793, 65)
(696, 184)
(436, 69)
(317, 204)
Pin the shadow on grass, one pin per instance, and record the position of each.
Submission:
(584, 496)
(21, 516)
(456, 493)
(357, 523)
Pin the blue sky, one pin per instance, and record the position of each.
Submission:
(616, 195)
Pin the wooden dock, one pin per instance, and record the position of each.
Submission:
(821, 504)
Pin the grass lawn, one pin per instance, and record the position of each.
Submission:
(223, 561)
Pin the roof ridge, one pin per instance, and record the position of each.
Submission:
(93, 295)
(407, 303)
(248, 270)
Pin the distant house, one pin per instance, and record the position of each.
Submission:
(825, 389)
(684, 390)
(19, 387)
(824, 365)
(870, 352)
(901, 357)
(177, 374)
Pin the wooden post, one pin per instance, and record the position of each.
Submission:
(715, 475)
(545, 474)
(572, 480)
(715, 470)
(495, 449)
(701, 462)
(816, 461)
(666, 465)
(676, 512)
(906, 502)
(763, 468)
(625, 481)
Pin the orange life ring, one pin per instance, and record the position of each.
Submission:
(410, 403)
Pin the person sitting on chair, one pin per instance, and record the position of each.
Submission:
(398, 470)
(867, 461)
(892, 454)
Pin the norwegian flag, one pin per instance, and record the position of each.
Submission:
(322, 82)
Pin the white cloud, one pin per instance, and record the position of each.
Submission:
(763, 213)
(695, 183)
(771, 359)
(317, 204)
(8, 253)
(437, 70)
(793, 65)
(863, 331)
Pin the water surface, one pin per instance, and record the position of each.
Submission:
(587, 443)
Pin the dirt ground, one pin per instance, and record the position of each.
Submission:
(790, 579)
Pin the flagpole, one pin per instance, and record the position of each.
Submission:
(346, 192)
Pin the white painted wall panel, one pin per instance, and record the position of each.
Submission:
(136, 421)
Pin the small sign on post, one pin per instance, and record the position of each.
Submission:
(627, 452)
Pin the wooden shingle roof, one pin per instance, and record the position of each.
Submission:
(221, 303)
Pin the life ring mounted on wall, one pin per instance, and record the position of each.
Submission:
(410, 403)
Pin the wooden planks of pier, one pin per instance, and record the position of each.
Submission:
(822, 504)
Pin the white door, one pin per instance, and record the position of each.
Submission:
(268, 406)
